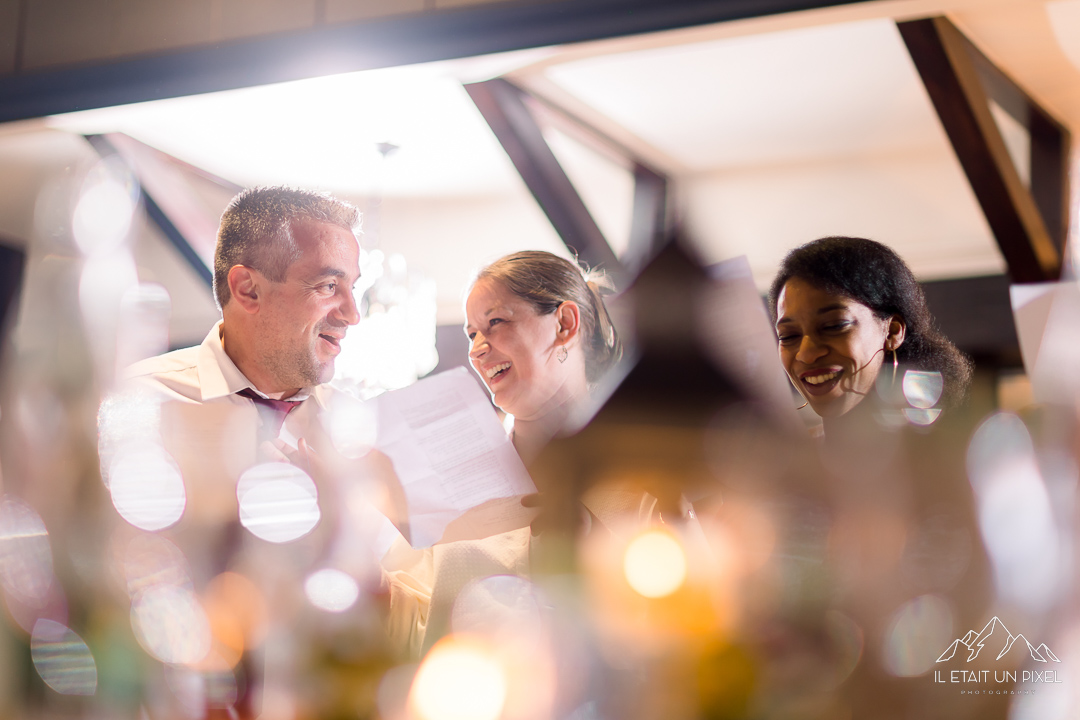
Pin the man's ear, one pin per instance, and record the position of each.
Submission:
(568, 317)
(245, 286)
(897, 332)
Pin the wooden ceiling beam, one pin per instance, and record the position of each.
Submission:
(503, 106)
(1028, 224)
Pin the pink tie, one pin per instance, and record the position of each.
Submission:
(278, 410)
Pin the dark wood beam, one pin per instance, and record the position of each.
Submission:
(649, 220)
(947, 63)
(12, 266)
(503, 106)
(157, 214)
(328, 49)
(1049, 144)
(648, 228)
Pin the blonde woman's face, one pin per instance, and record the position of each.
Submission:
(513, 349)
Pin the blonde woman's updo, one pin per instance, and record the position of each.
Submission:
(546, 281)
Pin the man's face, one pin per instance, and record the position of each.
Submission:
(304, 318)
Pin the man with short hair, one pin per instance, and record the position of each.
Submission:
(252, 392)
(284, 269)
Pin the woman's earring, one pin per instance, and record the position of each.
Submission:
(895, 362)
(561, 354)
(807, 402)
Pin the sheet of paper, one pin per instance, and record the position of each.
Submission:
(461, 477)
(1046, 316)
(740, 338)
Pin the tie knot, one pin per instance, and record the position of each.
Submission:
(281, 406)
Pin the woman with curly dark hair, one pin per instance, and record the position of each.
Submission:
(844, 308)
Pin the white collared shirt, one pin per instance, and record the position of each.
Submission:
(198, 374)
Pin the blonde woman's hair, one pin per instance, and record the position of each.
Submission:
(546, 281)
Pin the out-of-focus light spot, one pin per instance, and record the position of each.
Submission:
(922, 388)
(278, 502)
(237, 613)
(498, 607)
(128, 417)
(105, 208)
(918, 632)
(655, 564)
(1015, 514)
(392, 697)
(26, 568)
(460, 679)
(937, 551)
(170, 624)
(151, 561)
(399, 320)
(918, 416)
(146, 487)
(331, 590)
(62, 659)
(1043, 706)
(143, 330)
(351, 424)
(102, 285)
(198, 690)
(847, 643)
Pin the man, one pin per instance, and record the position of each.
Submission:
(284, 269)
(253, 392)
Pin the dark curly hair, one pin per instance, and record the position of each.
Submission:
(872, 274)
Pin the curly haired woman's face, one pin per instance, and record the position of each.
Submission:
(832, 346)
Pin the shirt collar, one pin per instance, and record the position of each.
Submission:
(218, 374)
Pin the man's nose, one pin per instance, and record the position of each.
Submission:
(349, 311)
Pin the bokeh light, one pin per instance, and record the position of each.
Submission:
(146, 487)
(847, 642)
(917, 634)
(923, 388)
(460, 679)
(655, 564)
(938, 550)
(278, 502)
(150, 561)
(198, 690)
(102, 286)
(237, 613)
(26, 568)
(499, 607)
(143, 330)
(105, 208)
(126, 417)
(351, 424)
(920, 416)
(62, 659)
(331, 590)
(392, 696)
(1015, 514)
(170, 624)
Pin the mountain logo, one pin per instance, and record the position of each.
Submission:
(993, 636)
